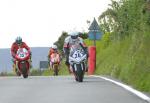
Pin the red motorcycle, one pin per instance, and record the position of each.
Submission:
(23, 64)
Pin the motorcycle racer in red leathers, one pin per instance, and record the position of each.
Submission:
(15, 46)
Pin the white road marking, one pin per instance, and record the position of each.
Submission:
(136, 92)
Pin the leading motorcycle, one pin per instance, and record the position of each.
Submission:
(77, 60)
(23, 65)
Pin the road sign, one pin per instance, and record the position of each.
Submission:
(94, 31)
(94, 26)
(94, 35)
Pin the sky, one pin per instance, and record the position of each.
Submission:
(41, 22)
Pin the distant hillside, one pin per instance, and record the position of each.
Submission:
(38, 54)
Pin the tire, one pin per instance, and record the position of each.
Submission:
(79, 73)
(25, 76)
(24, 69)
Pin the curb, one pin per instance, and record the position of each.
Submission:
(136, 92)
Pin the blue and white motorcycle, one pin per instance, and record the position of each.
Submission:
(78, 62)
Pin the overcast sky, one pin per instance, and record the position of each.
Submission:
(41, 22)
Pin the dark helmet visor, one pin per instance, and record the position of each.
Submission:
(74, 37)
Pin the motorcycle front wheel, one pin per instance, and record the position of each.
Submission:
(79, 73)
(24, 68)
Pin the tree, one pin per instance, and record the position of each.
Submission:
(60, 40)
(123, 17)
(83, 35)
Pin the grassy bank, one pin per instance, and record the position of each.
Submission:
(127, 60)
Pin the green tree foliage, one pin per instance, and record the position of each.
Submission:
(83, 35)
(60, 40)
(125, 16)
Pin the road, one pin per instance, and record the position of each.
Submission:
(63, 89)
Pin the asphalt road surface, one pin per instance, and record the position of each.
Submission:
(62, 89)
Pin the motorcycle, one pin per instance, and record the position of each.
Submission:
(77, 60)
(23, 64)
(55, 59)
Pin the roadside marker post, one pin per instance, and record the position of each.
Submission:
(93, 34)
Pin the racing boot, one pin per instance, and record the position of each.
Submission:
(30, 63)
(14, 67)
(86, 66)
(69, 69)
(86, 69)
(68, 66)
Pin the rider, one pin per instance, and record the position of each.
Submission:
(53, 49)
(15, 46)
(73, 39)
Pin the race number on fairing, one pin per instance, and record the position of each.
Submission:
(22, 52)
(77, 54)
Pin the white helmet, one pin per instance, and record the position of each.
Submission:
(74, 35)
(54, 46)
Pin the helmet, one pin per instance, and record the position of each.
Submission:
(74, 35)
(54, 46)
(18, 40)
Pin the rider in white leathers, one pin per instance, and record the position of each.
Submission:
(73, 39)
